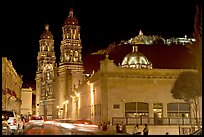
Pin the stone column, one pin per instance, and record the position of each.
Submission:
(151, 114)
(164, 110)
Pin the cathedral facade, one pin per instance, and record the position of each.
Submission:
(55, 83)
(133, 92)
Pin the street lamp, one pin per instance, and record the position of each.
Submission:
(66, 101)
(58, 112)
(65, 108)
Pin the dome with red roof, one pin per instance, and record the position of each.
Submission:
(71, 20)
(46, 33)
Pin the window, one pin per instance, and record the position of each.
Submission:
(116, 106)
(136, 109)
(176, 110)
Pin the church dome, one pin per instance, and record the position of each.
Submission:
(71, 20)
(136, 59)
(46, 33)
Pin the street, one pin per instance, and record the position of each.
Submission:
(47, 130)
(51, 130)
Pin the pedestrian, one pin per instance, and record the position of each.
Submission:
(118, 128)
(123, 127)
(145, 130)
(136, 130)
(104, 126)
(99, 126)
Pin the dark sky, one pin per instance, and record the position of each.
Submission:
(102, 22)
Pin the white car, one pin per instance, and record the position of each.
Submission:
(36, 121)
(13, 120)
(85, 126)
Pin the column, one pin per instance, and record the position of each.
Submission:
(151, 114)
(164, 110)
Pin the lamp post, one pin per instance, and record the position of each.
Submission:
(58, 112)
(45, 102)
(45, 110)
(66, 108)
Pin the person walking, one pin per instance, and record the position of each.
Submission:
(145, 130)
(124, 127)
(104, 126)
(136, 130)
(118, 128)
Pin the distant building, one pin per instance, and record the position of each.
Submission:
(182, 41)
(26, 97)
(149, 40)
(11, 87)
(142, 39)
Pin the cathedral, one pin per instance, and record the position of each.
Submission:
(54, 84)
(131, 92)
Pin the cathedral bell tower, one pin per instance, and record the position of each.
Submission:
(71, 65)
(71, 44)
(45, 75)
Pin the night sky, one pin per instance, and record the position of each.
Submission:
(102, 22)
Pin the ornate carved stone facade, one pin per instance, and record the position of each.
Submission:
(55, 83)
(11, 87)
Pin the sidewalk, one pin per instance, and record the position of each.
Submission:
(111, 131)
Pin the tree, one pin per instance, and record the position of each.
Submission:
(186, 88)
(196, 48)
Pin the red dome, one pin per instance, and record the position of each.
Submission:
(71, 20)
(46, 33)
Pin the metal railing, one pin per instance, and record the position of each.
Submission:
(153, 121)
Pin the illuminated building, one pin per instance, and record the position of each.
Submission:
(26, 97)
(134, 93)
(149, 40)
(115, 89)
(142, 39)
(11, 87)
(55, 83)
(134, 89)
(182, 41)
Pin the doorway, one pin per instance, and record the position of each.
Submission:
(157, 110)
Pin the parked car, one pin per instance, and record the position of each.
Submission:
(13, 120)
(36, 121)
(5, 127)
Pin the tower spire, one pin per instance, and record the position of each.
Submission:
(140, 33)
(47, 27)
(71, 12)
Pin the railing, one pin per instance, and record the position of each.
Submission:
(153, 121)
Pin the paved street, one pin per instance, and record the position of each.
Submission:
(54, 130)
(47, 130)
